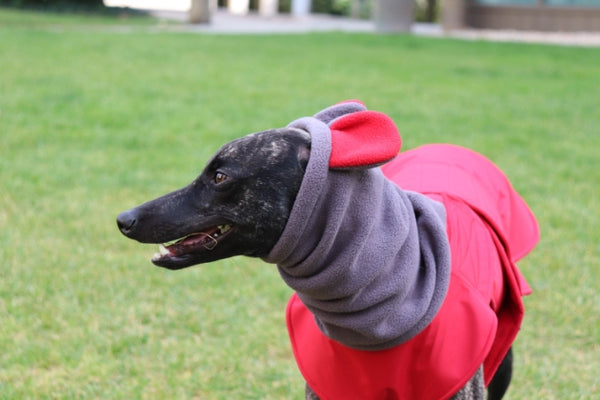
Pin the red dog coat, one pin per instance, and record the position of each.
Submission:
(489, 228)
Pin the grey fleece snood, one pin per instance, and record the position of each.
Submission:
(369, 260)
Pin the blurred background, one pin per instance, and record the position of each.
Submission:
(388, 15)
(106, 105)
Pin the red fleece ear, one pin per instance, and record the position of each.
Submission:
(363, 139)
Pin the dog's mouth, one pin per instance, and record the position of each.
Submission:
(174, 252)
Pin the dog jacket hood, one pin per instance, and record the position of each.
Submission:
(383, 310)
(370, 261)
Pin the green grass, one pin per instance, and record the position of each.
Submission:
(94, 120)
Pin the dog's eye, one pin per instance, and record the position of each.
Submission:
(220, 177)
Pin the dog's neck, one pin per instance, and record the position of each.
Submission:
(369, 260)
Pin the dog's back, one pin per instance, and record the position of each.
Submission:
(443, 169)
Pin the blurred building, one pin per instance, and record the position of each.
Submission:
(535, 15)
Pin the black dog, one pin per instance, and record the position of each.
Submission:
(240, 205)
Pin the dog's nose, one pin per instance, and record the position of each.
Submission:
(126, 221)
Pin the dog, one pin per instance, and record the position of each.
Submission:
(364, 239)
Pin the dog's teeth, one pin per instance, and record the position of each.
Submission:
(163, 251)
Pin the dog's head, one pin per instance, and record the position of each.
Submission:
(241, 202)
(238, 205)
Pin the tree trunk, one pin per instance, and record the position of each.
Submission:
(430, 11)
(394, 15)
(200, 12)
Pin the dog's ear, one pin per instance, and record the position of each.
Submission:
(363, 139)
(301, 140)
(303, 155)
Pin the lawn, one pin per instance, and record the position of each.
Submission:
(98, 115)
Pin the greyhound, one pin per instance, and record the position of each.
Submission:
(243, 203)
